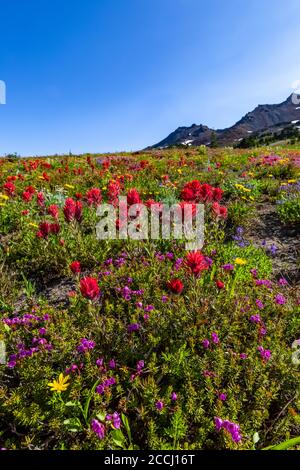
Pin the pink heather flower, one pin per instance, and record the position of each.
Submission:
(100, 389)
(98, 428)
(218, 423)
(230, 427)
(282, 282)
(159, 405)
(173, 396)
(205, 343)
(228, 267)
(112, 364)
(115, 419)
(133, 327)
(255, 318)
(85, 345)
(140, 366)
(215, 338)
(222, 396)
(280, 299)
(265, 353)
(243, 356)
(259, 304)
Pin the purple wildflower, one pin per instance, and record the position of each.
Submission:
(133, 327)
(280, 299)
(98, 428)
(159, 405)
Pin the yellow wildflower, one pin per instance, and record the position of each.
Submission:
(33, 225)
(69, 186)
(292, 181)
(240, 261)
(59, 385)
(4, 196)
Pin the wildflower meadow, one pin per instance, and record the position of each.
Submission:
(130, 344)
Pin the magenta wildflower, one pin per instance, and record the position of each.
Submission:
(205, 343)
(215, 338)
(133, 327)
(282, 282)
(112, 364)
(280, 299)
(140, 366)
(174, 396)
(85, 345)
(265, 353)
(259, 304)
(159, 405)
(255, 318)
(228, 267)
(222, 396)
(115, 419)
(98, 428)
(230, 427)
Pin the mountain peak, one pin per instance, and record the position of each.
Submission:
(263, 118)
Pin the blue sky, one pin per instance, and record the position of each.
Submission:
(109, 75)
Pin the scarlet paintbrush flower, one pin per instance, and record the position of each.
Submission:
(175, 286)
(30, 189)
(89, 288)
(40, 199)
(113, 191)
(94, 197)
(9, 188)
(53, 211)
(27, 196)
(69, 209)
(72, 210)
(219, 211)
(54, 228)
(44, 230)
(206, 193)
(133, 197)
(220, 284)
(75, 267)
(217, 194)
(196, 262)
(78, 211)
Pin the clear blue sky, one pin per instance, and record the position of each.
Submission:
(108, 75)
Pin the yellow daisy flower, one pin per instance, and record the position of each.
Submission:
(59, 385)
(240, 261)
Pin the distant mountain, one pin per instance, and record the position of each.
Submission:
(263, 119)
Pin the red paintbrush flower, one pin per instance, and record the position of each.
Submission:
(133, 197)
(175, 285)
(196, 262)
(89, 288)
(94, 197)
(75, 267)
